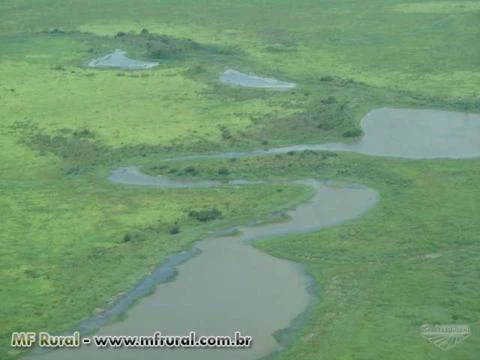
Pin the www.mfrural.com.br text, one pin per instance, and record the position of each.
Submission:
(156, 340)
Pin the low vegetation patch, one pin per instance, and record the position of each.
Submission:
(443, 7)
(205, 215)
(63, 224)
(158, 46)
(80, 147)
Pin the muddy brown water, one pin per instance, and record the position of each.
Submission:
(229, 285)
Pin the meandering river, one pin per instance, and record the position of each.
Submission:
(228, 285)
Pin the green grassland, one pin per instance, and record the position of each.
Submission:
(69, 251)
(410, 261)
(71, 241)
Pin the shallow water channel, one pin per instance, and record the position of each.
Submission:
(229, 285)
(401, 133)
(226, 285)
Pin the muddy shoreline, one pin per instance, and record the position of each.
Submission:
(390, 132)
(290, 280)
(401, 133)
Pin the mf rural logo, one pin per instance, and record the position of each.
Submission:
(446, 337)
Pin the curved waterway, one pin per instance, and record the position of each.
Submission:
(401, 133)
(227, 285)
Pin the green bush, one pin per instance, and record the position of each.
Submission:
(329, 100)
(174, 230)
(161, 46)
(226, 134)
(352, 133)
(223, 171)
(190, 170)
(205, 215)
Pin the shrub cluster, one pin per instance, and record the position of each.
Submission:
(352, 133)
(190, 170)
(223, 171)
(205, 215)
(161, 46)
